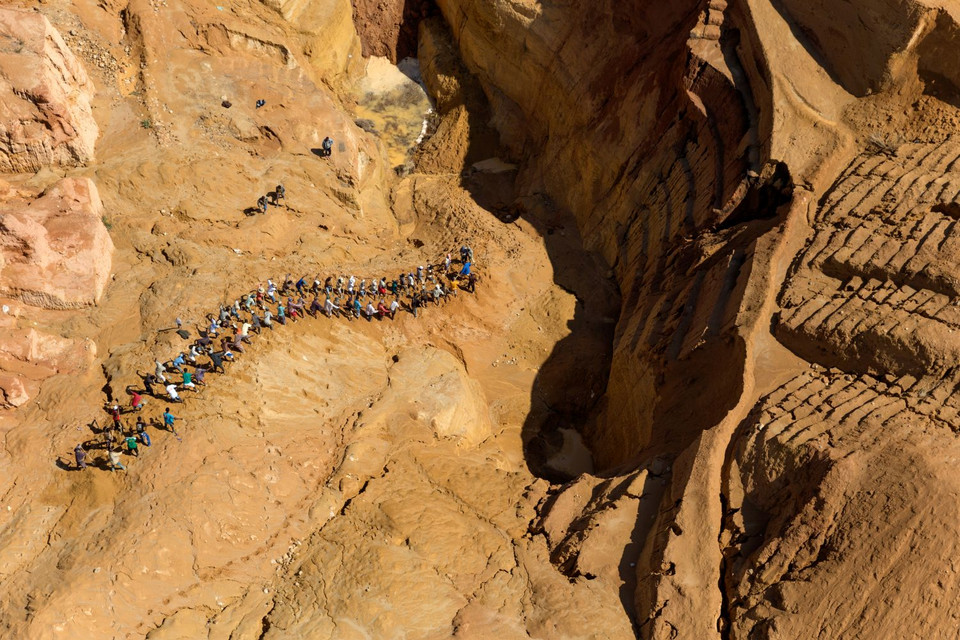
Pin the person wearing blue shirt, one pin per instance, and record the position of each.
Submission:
(168, 420)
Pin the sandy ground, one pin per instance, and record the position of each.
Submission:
(334, 457)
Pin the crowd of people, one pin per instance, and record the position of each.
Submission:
(224, 334)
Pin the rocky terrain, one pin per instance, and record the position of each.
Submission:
(703, 390)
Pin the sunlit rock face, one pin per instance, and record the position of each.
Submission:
(45, 114)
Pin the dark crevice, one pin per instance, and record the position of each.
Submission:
(389, 28)
(765, 194)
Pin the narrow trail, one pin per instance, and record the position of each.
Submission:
(437, 284)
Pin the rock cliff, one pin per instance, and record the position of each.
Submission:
(54, 250)
(705, 388)
(693, 155)
(45, 117)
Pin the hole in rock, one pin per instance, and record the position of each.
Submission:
(949, 209)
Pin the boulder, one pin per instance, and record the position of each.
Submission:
(29, 356)
(45, 114)
(55, 251)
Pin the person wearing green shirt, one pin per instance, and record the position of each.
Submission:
(132, 445)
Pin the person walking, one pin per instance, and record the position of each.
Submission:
(168, 420)
(148, 381)
(172, 392)
(142, 432)
(188, 381)
(131, 442)
(329, 307)
(115, 414)
(415, 304)
(114, 457)
(81, 457)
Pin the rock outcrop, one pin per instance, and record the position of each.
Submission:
(29, 356)
(389, 29)
(55, 251)
(693, 158)
(45, 114)
(705, 388)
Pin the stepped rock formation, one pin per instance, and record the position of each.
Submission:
(705, 388)
(697, 242)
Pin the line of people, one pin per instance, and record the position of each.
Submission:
(226, 333)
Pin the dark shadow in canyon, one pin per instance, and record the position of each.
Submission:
(390, 28)
(572, 380)
(680, 310)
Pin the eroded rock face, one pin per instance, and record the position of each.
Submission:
(772, 433)
(29, 356)
(56, 252)
(45, 114)
(694, 155)
(389, 29)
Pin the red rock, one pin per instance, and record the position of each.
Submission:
(54, 251)
(45, 114)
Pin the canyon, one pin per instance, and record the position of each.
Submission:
(704, 387)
